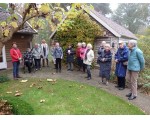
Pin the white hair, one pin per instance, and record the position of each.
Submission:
(89, 46)
(83, 43)
(79, 44)
(133, 43)
(103, 42)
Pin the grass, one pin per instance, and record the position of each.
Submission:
(67, 97)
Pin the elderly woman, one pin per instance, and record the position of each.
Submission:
(45, 52)
(28, 59)
(37, 53)
(100, 51)
(70, 57)
(82, 55)
(58, 55)
(136, 63)
(79, 62)
(105, 63)
(121, 57)
(89, 56)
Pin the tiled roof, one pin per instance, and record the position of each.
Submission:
(123, 32)
(26, 28)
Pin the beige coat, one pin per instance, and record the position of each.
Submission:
(90, 58)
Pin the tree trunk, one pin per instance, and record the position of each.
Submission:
(1, 46)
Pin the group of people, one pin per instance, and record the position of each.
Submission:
(129, 61)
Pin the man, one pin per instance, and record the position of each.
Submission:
(136, 63)
(45, 52)
(16, 59)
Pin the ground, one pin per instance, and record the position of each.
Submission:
(142, 100)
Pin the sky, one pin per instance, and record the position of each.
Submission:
(113, 6)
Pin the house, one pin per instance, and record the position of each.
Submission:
(23, 38)
(113, 32)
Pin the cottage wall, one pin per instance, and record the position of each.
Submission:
(23, 42)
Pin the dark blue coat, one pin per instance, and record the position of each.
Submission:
(70, 57)
(122, 56)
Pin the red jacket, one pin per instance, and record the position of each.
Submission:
(78, 52)
(15, 54)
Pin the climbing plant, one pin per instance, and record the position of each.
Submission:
(77, 27)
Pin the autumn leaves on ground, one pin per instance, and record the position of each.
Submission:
(48, 97)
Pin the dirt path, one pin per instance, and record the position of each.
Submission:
(142, 101)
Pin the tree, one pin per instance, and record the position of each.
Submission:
(53, 13)
(132, 15)
(102, 7)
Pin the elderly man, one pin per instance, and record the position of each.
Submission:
(136, 63)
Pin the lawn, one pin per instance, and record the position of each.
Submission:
(65, 98)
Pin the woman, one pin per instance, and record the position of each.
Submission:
(45, 52)
(58, 55)
(89, 57)
(79, 62)
(16, 58)
(37, 53)
(82, 55)
(120, 58)
(100, 51)
(70, 57)
(105, 63)
(28, 59)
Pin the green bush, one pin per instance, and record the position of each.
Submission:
(19, 107)
(4, 78)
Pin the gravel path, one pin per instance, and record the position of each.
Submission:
(142, 101)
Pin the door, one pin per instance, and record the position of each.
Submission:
(3, 63)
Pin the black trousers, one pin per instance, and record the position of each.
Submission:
(58, 63)
(29, 65)
(121, 82)
(83, 66)
(79, 62)
(37, 63)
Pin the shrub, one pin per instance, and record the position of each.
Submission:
(4, 78)
(19, 107)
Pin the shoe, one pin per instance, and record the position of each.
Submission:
(60, 71)
(121, 88)
(19, 76)
(36, 69)
(129, 95)
(89, 78)
(132, 98)
(117, 86)
(68, 69)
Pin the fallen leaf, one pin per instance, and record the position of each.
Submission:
(23, 80)
(17, 91)
(18, 94)
(49, 80)
(41, 101)
(40, 87)
(9, 92)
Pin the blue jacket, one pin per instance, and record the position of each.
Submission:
(121, 56)
(136, 61)
(58, 53)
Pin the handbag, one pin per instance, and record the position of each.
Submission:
(125, 63)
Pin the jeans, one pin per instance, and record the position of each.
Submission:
(16, 69)
(37, 63)
(88, 67)
(58, 63)
(70, 66)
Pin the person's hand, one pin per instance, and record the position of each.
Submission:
(19, 58)
(116, 60)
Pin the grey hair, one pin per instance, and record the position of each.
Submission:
(89, 46)
(133, 43)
